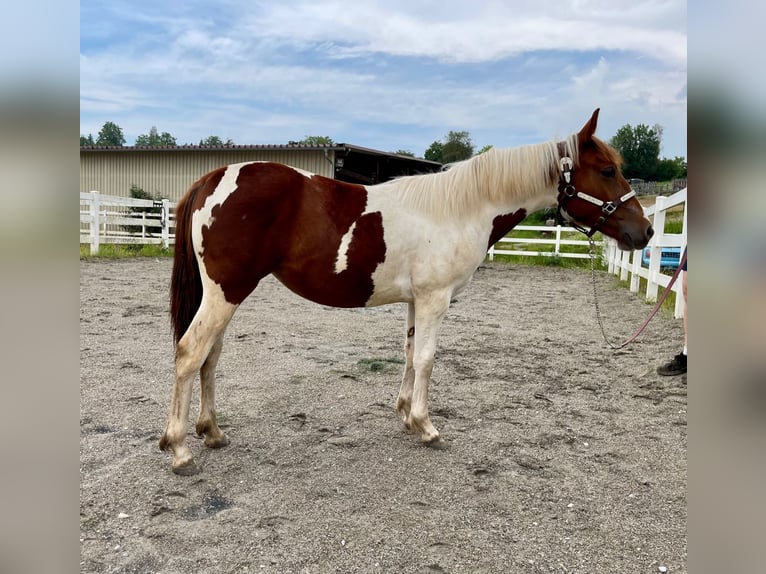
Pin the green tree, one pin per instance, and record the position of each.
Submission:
(155, 139)
(404, 152)
(668, 169)
(435, 152)
(485, 149)
(640, 150)
(457, 147)
(87, 141)
(110, 135)
(214, 141)
(316, 140)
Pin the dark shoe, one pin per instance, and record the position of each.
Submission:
(677, 366)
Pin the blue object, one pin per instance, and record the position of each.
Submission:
(670, 257)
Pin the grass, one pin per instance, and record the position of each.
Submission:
(112, 251)
(377, 365)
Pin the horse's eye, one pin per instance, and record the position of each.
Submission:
(608, 172)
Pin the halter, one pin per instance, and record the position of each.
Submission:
(567, 193)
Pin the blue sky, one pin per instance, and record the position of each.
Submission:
(387, 74)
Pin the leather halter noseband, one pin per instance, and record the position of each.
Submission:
(567, 193)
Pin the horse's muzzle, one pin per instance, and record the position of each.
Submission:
(631, 241)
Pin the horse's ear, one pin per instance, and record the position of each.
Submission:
(587, 131)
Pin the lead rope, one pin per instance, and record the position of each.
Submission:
(652, 314)
(592, 245)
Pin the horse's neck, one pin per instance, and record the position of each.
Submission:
(517, 178)
(498, 181)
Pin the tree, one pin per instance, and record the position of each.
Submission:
(485, 149)
(404, 152)
(213, 141)
(155, 139)
(87, 141)
(110, 135)
(315, 140)
(640, 150)
(668, 169)
(457, 146)
(435, 152)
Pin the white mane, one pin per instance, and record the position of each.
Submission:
(495, 176)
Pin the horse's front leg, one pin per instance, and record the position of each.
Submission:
(404, 400)
(429, 312)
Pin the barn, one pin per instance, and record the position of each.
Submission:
(167, 171)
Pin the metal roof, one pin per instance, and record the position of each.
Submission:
(342, 147)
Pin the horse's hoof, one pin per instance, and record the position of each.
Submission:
(188, 468)
(219, 442)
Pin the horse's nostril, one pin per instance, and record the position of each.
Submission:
(650, 232)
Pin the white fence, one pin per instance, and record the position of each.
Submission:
(554, 239)
(627, 264)
(106, 219)
(112, 219)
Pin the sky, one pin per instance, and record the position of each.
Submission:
(385, 74)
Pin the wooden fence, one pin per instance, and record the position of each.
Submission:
(125, 220)
(112, 219)
(554, 237)
(628, 264)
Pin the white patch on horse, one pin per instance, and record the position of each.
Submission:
(303, 172)
(204, 215)
(342, 260)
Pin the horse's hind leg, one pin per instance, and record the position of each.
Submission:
(404, 400)
(192, 351)
(207, 425)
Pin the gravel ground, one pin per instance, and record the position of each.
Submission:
(562, 455)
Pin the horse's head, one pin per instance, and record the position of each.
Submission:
(594, 196)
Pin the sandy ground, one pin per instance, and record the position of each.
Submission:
(562, 455)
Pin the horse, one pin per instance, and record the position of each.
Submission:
(416, 240)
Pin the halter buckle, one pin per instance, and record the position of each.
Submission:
(609, 208)
(566, 164)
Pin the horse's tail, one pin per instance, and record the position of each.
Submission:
(185, 282)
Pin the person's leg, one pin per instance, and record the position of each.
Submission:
(677, 365)
(686, 306)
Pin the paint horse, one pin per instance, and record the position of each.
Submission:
(416, 240)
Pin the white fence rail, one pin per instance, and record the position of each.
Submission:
(627, 264)
(554, 239)
(112, 219)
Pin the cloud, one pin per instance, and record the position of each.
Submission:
(265, 72)
(494, 30)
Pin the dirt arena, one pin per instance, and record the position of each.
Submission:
(562, 456)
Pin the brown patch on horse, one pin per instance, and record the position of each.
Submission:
(353, 286)
(502, 224)
(280, 231)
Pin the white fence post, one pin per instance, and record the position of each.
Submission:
(165, 223)
(652, 286)
(95, 227)
(630, 263)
